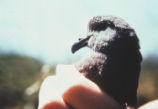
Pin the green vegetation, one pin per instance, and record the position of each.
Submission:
(16, 74)
(20, 73)
(148, 88)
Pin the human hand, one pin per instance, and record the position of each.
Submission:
(69, 86)
(150, 105)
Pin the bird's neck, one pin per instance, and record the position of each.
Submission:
(91, 66)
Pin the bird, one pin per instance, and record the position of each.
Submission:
(115, 61)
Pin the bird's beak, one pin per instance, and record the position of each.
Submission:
(81, 43)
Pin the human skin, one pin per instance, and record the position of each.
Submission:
(150, 105)
(68, 86)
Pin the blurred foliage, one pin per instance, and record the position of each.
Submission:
(16, 74)
(148, 83)
(21, 76)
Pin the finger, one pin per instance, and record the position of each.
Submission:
(49, 96)
(51, 90)
(82, 93)
(54, 105)
(150, 105)
(89, 96)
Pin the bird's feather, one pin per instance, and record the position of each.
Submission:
(115, 62)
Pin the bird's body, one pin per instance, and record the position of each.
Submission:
(115, 61)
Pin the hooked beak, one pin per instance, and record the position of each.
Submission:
(81, 43)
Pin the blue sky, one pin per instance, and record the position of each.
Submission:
(46, 29)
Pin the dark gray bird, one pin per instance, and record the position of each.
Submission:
(115, 62)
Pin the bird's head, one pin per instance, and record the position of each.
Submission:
(105, 33)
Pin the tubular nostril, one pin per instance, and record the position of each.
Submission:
(80, 39)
